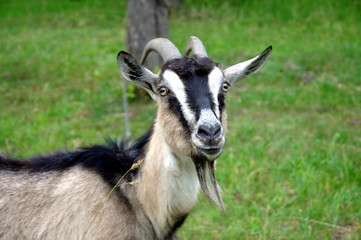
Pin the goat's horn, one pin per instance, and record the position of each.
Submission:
(196, 46)
(164, 47)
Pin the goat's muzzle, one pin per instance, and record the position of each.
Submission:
(209, 139)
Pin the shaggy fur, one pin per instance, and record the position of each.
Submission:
(110, 161)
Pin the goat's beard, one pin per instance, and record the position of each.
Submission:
(207, 179)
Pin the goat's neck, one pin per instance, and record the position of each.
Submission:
(168, 184)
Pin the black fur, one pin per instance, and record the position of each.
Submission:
(172, 235)
(198, 94)
(190, 65)
(110, 161)
(222, 102)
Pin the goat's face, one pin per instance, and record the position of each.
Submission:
(191, 93)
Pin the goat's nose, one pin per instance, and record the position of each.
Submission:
(209, 133)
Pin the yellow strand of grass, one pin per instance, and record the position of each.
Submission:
(134, 166)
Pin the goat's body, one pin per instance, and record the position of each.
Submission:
(46, 198)
(55, 197)
(56, 200)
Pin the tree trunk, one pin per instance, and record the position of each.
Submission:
(147, 19)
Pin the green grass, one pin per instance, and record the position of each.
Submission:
(291, 168)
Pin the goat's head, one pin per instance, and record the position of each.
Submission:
(191, 93)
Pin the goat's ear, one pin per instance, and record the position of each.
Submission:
(243, 69)
(133, 71)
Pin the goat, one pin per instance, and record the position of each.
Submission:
(55, 196)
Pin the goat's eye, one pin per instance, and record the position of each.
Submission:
(163, 91)
(225, 87)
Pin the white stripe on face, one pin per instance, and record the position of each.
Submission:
(215, 80)
(176, 85)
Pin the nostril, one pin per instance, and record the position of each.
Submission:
(203, 132)
(217, 131)
(209, 132)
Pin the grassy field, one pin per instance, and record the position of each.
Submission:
(292, 162)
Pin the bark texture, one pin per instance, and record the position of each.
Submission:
(147, 19)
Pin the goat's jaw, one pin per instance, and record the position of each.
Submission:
(210, 152)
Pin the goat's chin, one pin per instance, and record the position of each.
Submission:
(207, 179)
(209, 153)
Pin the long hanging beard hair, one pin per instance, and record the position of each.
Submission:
(206, 175)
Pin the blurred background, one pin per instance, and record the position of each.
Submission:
(291, 168)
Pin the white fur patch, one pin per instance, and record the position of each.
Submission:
(176, 85)
(183, 184)
(170, 162)
(182, 180)
(215, 80)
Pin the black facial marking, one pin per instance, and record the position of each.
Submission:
(175, 107)
(198, 96)
(194, 72)
(221, 102)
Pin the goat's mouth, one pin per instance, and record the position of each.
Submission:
(210, 152)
